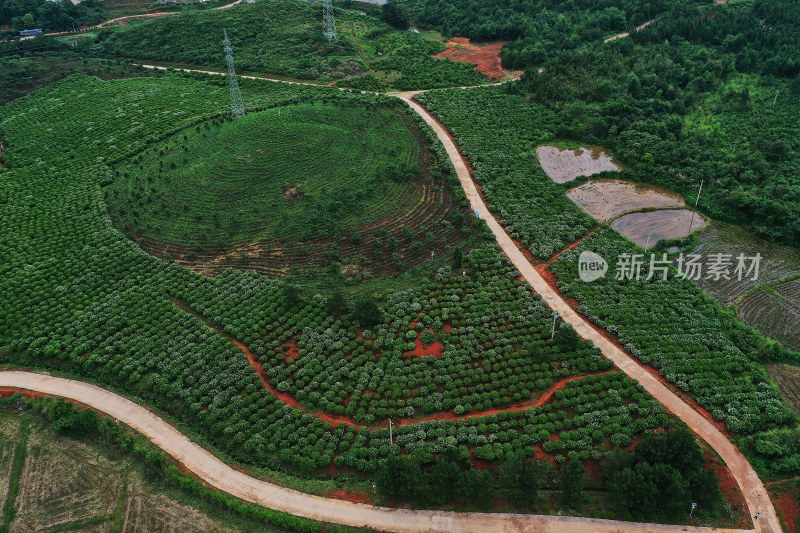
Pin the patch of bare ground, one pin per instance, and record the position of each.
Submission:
(146, 512)
(606, 199)
(566, 164)
(63, 481)
(652, 226)
(485, 56)
(787, 378)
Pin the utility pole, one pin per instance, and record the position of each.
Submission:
(776, 97)
(691, 224)
(328, 21)
(390, 432)
(647, 244)
(555, 317)
(237, 105)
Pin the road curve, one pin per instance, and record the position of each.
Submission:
(223, 477)
(751, 486)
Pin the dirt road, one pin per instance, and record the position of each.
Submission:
(218, 474)
(753, 489)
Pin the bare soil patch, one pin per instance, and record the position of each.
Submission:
(291, 192)
(485, 56)
(607, 199)
(565, 164)
(659, 225)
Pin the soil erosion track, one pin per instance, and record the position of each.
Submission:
(751, 486)
(218, 474)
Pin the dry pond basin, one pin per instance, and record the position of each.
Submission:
(658, 225)
(606, 199)
(566, 164)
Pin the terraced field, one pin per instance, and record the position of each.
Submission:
(302, 185)
(777, 262)
(773, 314)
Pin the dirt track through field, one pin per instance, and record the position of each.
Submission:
(751, 486)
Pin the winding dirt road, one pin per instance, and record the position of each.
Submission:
(218, 474)
(752, 488)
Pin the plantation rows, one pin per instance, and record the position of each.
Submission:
(685, 335)
(78, 296)
(498, 134)
(777, 262)
(774, 314)
(490, 343)
(223, 184)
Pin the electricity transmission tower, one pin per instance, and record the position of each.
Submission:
(237, 106)
(328, 22)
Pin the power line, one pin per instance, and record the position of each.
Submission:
(237, 105)
(328, 21)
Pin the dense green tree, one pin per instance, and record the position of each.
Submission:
(518, 481)
(366, 312)
(399, 478)
(572, 479)
(394, 15)
(336, 303)
(565, 338)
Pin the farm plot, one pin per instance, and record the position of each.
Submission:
(465, 344)
(566, 164)
(777, 317)
(653, 226)
(777, 262)
(607, 199)
(673, 326)
(146, 511)
(787, 378)
(72, 482)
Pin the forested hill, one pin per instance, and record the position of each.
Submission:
(541, 26)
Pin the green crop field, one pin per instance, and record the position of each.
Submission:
(287, 174)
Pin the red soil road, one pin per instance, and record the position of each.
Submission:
(752, 488)
(485, 56)
(238, 484)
